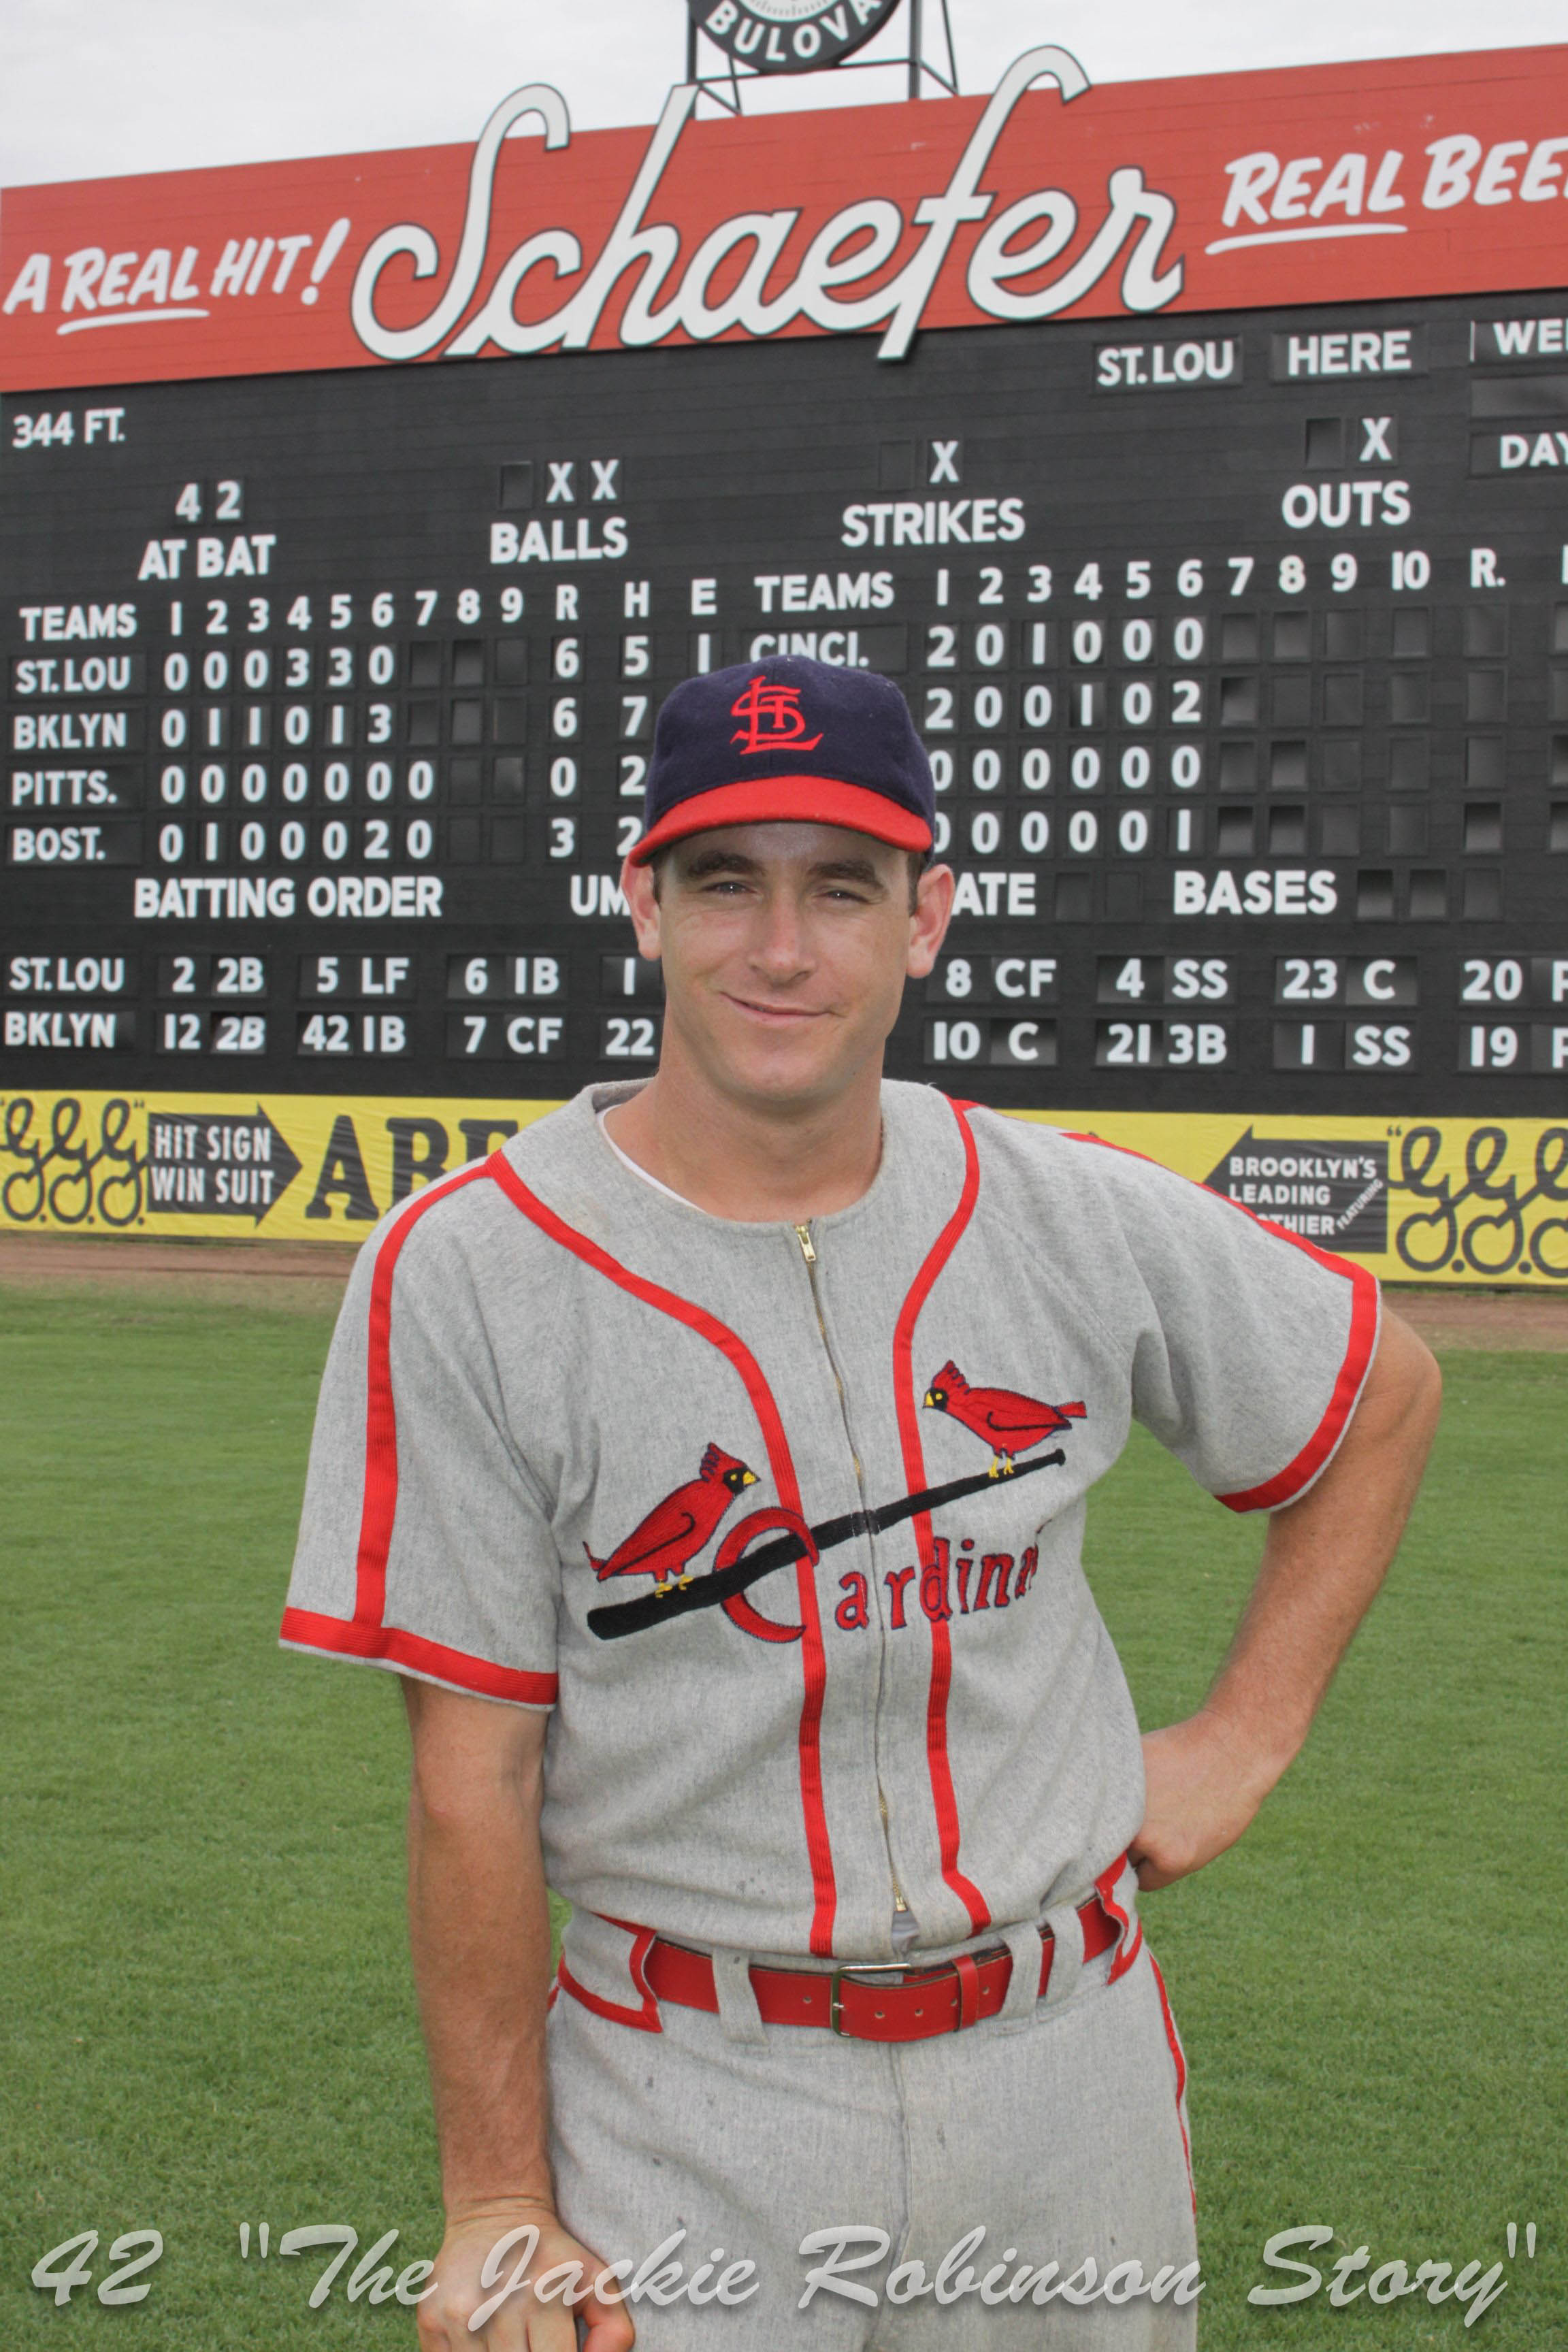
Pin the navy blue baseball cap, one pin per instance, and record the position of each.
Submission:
(787, 738)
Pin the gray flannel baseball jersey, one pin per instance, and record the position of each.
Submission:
(559, 1399)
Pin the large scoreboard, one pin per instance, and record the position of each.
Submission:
(1236, 631)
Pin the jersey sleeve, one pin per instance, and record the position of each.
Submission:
(423, 1544)
(1255, 1345)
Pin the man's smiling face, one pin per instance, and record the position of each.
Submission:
(785, 947)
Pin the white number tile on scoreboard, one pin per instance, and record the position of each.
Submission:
(1509, 1045)
(502, 1036)
(1004, 1043)
(212, 1033)
(1161, 1044)
(377, 1036)
(1494, 987)
(1309, 1045)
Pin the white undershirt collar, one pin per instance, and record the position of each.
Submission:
(628, 1161)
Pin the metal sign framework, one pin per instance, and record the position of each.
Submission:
(725, 89)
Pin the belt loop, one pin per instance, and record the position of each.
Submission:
(1066, 1930)
(739, 2019)
(1024, 1984)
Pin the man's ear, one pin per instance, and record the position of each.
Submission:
(929, 922)
(636, 884)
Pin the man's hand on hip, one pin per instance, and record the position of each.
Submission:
(518, 2320)
(1197, 1800)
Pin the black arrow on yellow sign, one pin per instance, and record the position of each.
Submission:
(215, 1164)
(1334, 1193)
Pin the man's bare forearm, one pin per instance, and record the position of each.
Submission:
(479, 1930)
(1323, 1560)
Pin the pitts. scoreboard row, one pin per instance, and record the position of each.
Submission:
(1238, 636)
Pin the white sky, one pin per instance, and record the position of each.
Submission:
(92, 88)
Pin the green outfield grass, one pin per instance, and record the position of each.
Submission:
(204, 2001)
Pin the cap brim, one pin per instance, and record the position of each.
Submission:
(788, 800)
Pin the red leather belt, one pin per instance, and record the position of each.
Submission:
(868, 2001)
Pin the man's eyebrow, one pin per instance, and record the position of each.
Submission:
(704, 862)
(849, 869)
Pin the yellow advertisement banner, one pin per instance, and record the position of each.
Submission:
(1418, 1199)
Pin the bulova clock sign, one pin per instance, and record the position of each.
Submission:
(790, 35)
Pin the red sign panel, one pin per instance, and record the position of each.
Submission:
(1432, 175)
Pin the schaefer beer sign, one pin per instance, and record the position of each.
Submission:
(1047, 200)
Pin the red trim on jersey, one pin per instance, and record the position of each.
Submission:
(908, 1408)
(365, 1635)
(645, 2018)
(1179, 2060)
(1131, 1928)
(346, 1638)
(380, 1505)
(1287, 1483)
(814, 1658)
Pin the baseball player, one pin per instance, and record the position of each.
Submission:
(711, 1464)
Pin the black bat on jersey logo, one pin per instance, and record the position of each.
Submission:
(618, 1617)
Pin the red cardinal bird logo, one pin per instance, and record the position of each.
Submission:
(1009, 1424)
(675, 1530)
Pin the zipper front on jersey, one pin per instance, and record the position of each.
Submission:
(901, 1912)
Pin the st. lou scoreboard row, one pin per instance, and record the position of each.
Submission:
(1244, 675)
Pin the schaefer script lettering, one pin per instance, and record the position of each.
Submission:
(674, 292)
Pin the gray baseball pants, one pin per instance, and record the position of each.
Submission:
(1056, 2130)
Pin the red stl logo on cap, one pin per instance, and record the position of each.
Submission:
(773, 719)
(819, 743)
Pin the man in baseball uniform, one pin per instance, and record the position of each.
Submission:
(711, 1464)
